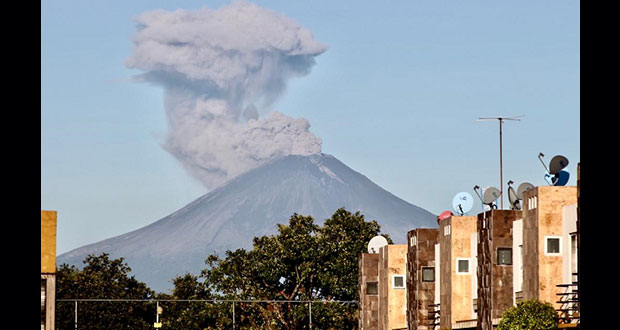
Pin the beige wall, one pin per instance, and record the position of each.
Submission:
(48, 242)
(392, 302)
(569, 225)
(456, 289)
(543, 217)
(517, 258)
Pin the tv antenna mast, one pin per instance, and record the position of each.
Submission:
(501, 175)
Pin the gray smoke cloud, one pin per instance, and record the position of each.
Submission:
(220, 68)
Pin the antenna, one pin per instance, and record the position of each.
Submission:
(462, 202)
(501, 121)
(375, 243)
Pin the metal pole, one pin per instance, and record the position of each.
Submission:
(76, 311)
(157, 312)
(501, 177)
(233, 315)
(310, 322)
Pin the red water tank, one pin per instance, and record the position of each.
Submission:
(444, 215)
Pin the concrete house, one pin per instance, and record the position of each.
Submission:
(421, 278)
(495, 265)
(549, 234)
(48, 269)
(457, 251)
(369, 291)
(392, 287)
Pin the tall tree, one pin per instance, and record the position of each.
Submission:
(304, 261)
(102, 278)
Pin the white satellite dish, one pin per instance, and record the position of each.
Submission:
(375, 243)
(491, 194)
(523, 188)
(512, 197)
(462, 202)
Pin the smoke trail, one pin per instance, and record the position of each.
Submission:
(219, 69)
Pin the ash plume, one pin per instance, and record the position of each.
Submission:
(220, 70)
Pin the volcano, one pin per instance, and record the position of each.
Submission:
(250, 205)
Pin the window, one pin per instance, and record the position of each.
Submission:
(462, 266)
(532, 203)
(504, 256)
(553, 245)
(398, 282)
(412, 241)
(428, 274)
(446, 230)
(372, 288)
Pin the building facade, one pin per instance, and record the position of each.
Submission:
(469, 271)
(48, 269)
(369, 291)
(547, 240)
(458, 281)
(392, 284)
(421, 278)
(495, 265)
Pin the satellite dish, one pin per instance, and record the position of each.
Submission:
(557, 164)
(462, 202)
(444, 215)
(555, 176)
(513, 197)
(375, 243)
(491, 194)
(561, 178)
(523, 188)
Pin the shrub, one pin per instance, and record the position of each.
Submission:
(529, 315)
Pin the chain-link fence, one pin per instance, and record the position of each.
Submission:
(93, 314)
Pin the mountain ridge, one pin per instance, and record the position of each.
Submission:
(250, 205)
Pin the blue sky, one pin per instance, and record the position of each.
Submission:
(395, 97)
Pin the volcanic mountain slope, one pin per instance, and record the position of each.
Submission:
(251, 205)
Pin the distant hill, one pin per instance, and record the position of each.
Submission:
(251, 205)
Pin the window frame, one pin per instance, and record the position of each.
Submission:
(505, 248)
(422, 274)
(553, 254)
(376, 286)
(394, 281)
(458, 272)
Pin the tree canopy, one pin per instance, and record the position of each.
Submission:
(102, 278)
(303, 262)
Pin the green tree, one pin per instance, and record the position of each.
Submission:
(102, 278)
(184, 314)
(304, 261)
(529, 315)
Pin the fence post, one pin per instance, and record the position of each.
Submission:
(310, 315)
(76, 313)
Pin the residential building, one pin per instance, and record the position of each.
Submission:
(421, 278)
(549, 235)
(457, 252)
(369, 291)
(392, 284)
(495, 265)
(48, 269)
